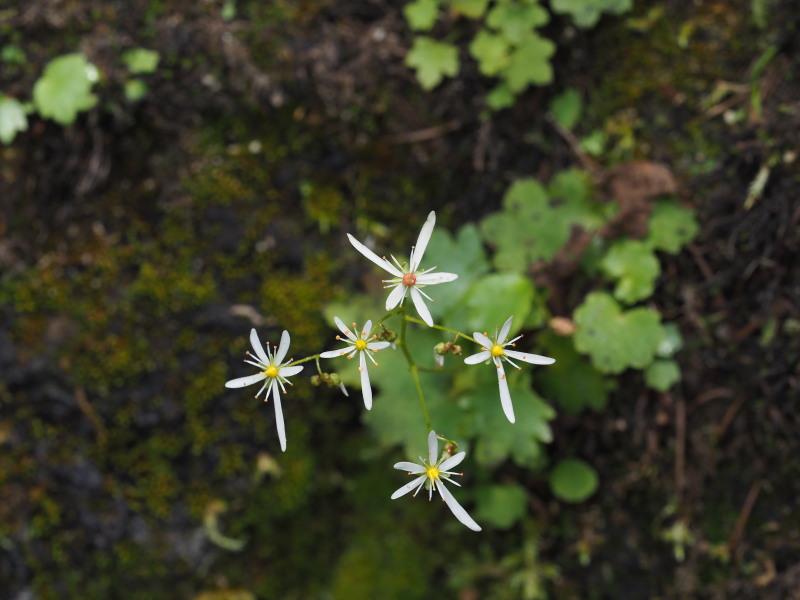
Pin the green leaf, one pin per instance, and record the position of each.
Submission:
(534, 223)
(501, 505)
(586, 13)
(671, 226)
(432, 60)
(463, 254)
(64, 89)
(12, 119)
(573, 480)
(135, 90)
(497, 439)
(662, 374)
(421, 14)
(500, 97)
(615, 339)
(141, 60)
(530, 64)
(515, 21)
(495, 297)
(635, 267)
(469, 8)
(571, 381)
(566, 108)
(491, 51)
(594, 143)
(228, 12)
(12, 55)
(671, 342)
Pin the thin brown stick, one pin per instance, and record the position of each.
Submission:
(741, 522)
(422, 135)
(89, 413)
(680, 448)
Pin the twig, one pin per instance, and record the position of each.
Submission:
(422, 135)
(90, 414)
(680, 448)
(738, 529)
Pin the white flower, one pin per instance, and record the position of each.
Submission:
(496, 349)
(359, 345)
(432, 473)
(274, 372)
(409, 278)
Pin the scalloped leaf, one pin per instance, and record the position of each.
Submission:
(573, 480)
(671, 342)
(495, 297)
(662, 374)
(473, 9)
(463, 254)
(586, 13)
(432, 61)
(671, 226)
(497, 439)
(515, 21)
(12, 118)
(635, 267)
(64, 89)
(615, 339)
(492, 51)
(535, 222)
(141, 60)
(566, 108)
(571, 380)
(530, 64)
(421, 14)
(501, 505)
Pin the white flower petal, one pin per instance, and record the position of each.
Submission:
(366, 390)
(333, 353)
(276, 398)
(289, 371)
(422, 309)
(434, 278)
(382, 263)
(422, 241)
(344, 329)
(501, 338)
(256, 343)
(505, 395)
(402, 491)
(456, 508)
(433, 448)
(483, 340)
(409, 467)
(280, 353)
(244, 381)
(534, 359)
(452, 461)
(478, 358)
(396, 296)
(378, 345)
(366, 329)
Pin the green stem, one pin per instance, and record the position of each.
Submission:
(412, 367)
(458, 333)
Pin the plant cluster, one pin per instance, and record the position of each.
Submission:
(508, 45)
(64, 89)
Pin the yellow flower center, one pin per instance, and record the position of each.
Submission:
(497, 350)
(432, 473)
(361, 345)
(272, 371)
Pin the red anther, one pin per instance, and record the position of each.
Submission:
(409, 279)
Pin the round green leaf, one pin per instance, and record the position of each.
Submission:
(671, 227)
(495, 297)
(141, 60)
(501, 505)
(432, 61)
(421, 14)
(12, 119)
(573, 480)
(566, 108)
(615, 339)
(64, 89)
(662, 375)
(635, 267)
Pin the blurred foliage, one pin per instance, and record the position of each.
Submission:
(507, 45)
